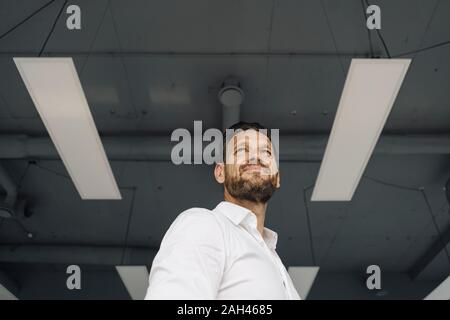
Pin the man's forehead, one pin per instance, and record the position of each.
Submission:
(250, 135)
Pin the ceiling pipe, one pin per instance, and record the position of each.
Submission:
(199, 54)
(231, 97)
(158, 148)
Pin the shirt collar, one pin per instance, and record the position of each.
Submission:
(271, 238)
(240, 215)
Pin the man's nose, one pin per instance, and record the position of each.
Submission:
(253, 158)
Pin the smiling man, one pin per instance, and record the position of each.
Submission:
(227, 253)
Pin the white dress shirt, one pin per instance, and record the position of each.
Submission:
(219, 254)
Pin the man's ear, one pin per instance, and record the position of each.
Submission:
(219, 173)
(278, 180)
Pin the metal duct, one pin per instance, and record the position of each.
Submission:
(158, 148)
(231, 97)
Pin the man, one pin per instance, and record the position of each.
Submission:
(227, 253)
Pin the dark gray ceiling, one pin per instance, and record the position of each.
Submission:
(149, 67)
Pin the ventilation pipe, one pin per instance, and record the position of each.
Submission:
(231, 97)
(305, 147)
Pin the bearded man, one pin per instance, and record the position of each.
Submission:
(227, 253)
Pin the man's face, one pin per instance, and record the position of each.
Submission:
(251, 171)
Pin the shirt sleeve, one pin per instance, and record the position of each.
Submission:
(191, 259)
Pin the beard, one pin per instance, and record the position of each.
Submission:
(253, 187)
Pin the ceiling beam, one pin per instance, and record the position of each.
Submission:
(158, 148)
(78, 254)
(201, 54)
(428, 256)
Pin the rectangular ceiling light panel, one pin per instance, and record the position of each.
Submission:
(56, 91)
(5, 294)
(369, 93)
(442, 292)
(135, 279)
(303, 279)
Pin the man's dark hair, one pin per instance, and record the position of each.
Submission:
(242, 125)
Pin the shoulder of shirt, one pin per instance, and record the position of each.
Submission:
(195, 225)
(197, 214)
(202, 218)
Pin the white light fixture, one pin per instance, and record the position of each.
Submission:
(369, 93)
(56, 91)
(5, 294)
(442, 292)
(135, 279)
(303, 279)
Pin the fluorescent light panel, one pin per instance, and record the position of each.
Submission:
(442, 292)
(369, 93)
(135, 279)
(303, 279)
(5, 294)
(56, 91)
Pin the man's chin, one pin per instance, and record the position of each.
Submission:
(253, 196)
(255, 190)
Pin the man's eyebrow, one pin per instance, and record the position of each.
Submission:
(265, 142)
(260, 144)
(242, 145)
(240, 141)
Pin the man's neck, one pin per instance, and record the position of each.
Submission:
(259, 209)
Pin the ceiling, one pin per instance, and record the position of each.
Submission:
(149, 67)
